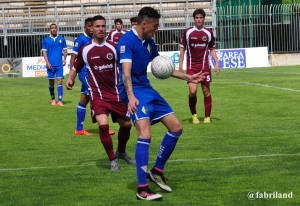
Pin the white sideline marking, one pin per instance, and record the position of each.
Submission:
(264, 85)
(178, 160)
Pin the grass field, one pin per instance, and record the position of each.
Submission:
(252, 145)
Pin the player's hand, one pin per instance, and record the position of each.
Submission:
(197, 78)
(49, 66)
(132, 103)
(69, 83)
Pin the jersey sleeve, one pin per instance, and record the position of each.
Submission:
(44, 45)
(213, 39)
(183, 39)
(77, 45)
(124, 48)
(79, 63)
(108, 38)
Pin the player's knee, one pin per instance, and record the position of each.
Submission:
(104, 131)
(176, 128)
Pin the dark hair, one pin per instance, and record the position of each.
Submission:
(148, 13)
(88, 20)
(53, 24)
(199, 11)
(118, 21)
(133, 19)
(98, 17)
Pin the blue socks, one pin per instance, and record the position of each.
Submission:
(166, 148)
(60, 92)
(51, 90)
(142, 158)
(81, 110)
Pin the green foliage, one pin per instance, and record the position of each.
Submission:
(252, 144)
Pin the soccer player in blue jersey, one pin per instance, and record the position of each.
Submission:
(53, 48)
(84, 38)
(135, 50)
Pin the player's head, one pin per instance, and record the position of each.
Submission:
(53, 29)
(148, 21)
(99, 27)
(88, 26)
(133, 21)
(118, 24)
(199, 17)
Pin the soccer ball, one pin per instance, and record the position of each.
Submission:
(162, 67)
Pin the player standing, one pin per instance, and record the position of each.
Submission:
(83, 39)
(199, 41)
(53, 47)
(115, 34)
(100, 58)
(135, 50)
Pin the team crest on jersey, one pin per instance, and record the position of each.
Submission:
(109, 56)
(76, 44)
(144, 110)
(204, 38)
(60, 41)
(122, 49)
(149, 48)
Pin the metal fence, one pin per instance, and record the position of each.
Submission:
(23, 28)
(274, 26)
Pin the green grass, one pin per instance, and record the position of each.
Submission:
(252, 145)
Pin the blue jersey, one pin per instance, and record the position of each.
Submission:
(82, 40)
(139, 52)
(54, 48)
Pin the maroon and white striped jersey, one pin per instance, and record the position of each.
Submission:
(101, 61)
(115, 35)
(197, 43)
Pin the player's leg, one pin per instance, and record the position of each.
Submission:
(106, 140)
(59, 73)
(207, 102)
(167, 147)
(51, 77)
(193, 102)
(123, 137)
(81, 110)
(142, 158)
(51, 91)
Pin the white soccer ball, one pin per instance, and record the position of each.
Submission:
(162, 67)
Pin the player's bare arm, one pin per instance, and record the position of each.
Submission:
(65, 57)
(214, 56)
(49, 66)
(133, 102)
(71, 79)
(72, 60)
(181, 58)
(195, 78)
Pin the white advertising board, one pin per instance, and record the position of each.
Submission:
(36, 67)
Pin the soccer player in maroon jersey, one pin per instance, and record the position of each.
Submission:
(198, 41)
(115, 34)
(100, 58)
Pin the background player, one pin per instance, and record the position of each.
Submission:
(52, 48)
(135, 50)
(115, 34)
(199, 42)
(100, 58)
(83, 39)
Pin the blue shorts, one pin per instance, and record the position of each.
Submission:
(55, 72)
(151, 105)
(85, 87)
